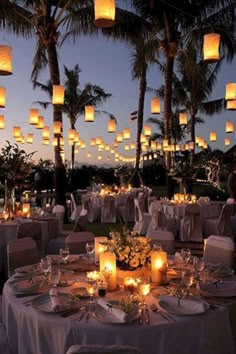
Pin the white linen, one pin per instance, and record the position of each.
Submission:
(118, 313)
(183, 306)
(219, 289)
(55, 300)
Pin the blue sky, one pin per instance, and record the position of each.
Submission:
(103, 63)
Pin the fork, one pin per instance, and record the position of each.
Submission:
(154, 308)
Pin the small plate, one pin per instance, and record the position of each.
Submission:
(43, 303)
(105, 316)
(219, 289)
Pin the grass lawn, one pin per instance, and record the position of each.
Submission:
(99, 229)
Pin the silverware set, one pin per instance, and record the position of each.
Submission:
(144, 316)
(163, 314)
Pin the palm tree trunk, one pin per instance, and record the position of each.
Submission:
(72, 151)
(192, 134)
(60, 175)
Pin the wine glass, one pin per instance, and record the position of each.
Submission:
(45, 264)
(143, 288)
(55, 276)
(186, 255)
(64, 253)
(89, 249)
(199, 266)
(187, 280)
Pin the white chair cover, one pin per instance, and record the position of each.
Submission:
(142, 220)
(190, 226)
(4, 347)
(59, 212)
(230, 201)
(75, 209)
(125, 212)
(203, 200)
(76, 241)
(81, 221)
(20, 252)
(165, 238)
(34, 231)
(219, 249)
(108, 210)
(158, 219)
(93, 211)
(102, 349)
(221, 226)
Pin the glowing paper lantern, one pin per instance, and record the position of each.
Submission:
(213, 136)
(5, 60)
(45, 141)
(126, 133)
(71, 134)
(132, 145)
(2, 97)
(83, 144)
(30, 138)
(108, 269)
(231, 105)
(99, 157)
(55, 141)
(111, 125)
(147, 130)
(159, 267)
(104, 13)
(230, 91)
(2, 121)
(57, 127)
(143, 138)
(58, 93)
(126, 147)
(16, 132)
(98, 140)
(211, 47)
(33, 116)
(165, 143)
(40, 124)
(183, 118)
(191, 145)
(88, 154)
(89, 114)
(46, 133)
(155, 106)
(119, 137)
(92, 142)
(227, 141)
(229, 127)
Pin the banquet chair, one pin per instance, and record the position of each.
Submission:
(76, 241)
(75, 208)
(165, 238)
(59, 212)
(190, 225)
(222, 225)
(81, 221)
(34, 231)
(142, 220)
(93, 211)
(102, 349)
(125, 212)
(219, 249)
(4, 346)
(21, 252)
(158, 218)
(108, 210)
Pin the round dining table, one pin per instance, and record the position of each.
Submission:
(30, 330)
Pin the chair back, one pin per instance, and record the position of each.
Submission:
(219, 249)
(59, 212)
(191, 228)
(108, 210)
(138, 216)
(129, 207)
(224, 221)
(165, 238)
(158, 218)
(76, 241)
(34, 231)
(21, 252)
(102, 349)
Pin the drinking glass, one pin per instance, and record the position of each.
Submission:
(199, 266)
(143, 288)
(89, 249)
(187, 279)
(186, 255)
(157, 247)
(45, 264)
(55, 276)
(64, 253)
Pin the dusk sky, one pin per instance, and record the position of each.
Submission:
(106, 64)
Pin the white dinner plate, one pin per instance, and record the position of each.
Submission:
(105, 316)
(29, 285)
(219, 289)
(187, 307)
(43, 303)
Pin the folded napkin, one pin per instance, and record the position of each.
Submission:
(117, 312)
(218, 289)
(178, 257)
(56, 302)
(182, 306)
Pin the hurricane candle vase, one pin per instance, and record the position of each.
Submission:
(159, 267)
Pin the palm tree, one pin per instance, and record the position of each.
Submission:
(76, 97)
(44, 20)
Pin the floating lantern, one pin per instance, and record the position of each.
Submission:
(30, 138)
(119, 137)
(227, 141)
(108, 269)
(40, 124)
(98, 140)
(191, 145)
(99, 157)
(104, 13)
(231, 105)
(5, 60)
(89, 114)
(143, 138)
(230, 91)
(229, 127)
(183, 118)
(45, 141)
(126, 147)
(205, 145)
(55, 141)
(111, 125)
(71, 134)
(26, 209)
(147, 130)
(2, 121)
(33, 116)
(58, 93)
(92, 142)
(57, 127)
(155, 106)
(211, 47)
(165, 143)
(16, 132)
(46, 133)
(88, 154)
(132, 145)
(213, 136)
(2, 97)
(159, 267)
(126, 133)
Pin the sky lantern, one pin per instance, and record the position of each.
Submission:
(147, 130)
(46, 133)
(155, 105)
(57, 127)
(231, 105)
(183, 118)
(119, 137)
(30, 138)
(5, 60)
(16, 132)
(211, 45)
(227, 141)
(229, 127)
(126, 133)
(2, 97)
(213, 136)
(58, 93)
(104, 11)
(89, 114)
(111, 125)
(33, 116)
(2, 121)
(230, 91)
(40, 124)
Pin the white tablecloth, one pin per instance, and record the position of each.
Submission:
(29, 331)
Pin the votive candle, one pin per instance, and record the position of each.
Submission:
(108, 269)
(159, 267)
(99, 247)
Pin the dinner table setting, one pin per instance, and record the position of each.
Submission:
(178, 304)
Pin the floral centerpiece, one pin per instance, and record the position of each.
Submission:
(132, 251)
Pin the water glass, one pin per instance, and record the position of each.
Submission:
(143, 288)
(64, 253)
(45, 264)
(55, 276)
(186, 255)
(89, 248)
(199, 265)
(187, 279)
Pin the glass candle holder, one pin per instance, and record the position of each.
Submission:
(130, 284)
(102, 288)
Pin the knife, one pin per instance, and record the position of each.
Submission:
(146, 315)
(70, 312)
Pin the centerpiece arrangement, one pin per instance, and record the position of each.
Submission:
(132, 251)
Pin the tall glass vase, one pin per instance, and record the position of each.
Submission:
(9, 200)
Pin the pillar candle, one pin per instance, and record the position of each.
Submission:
(159, 267)
(108, 269)
(99, 247)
